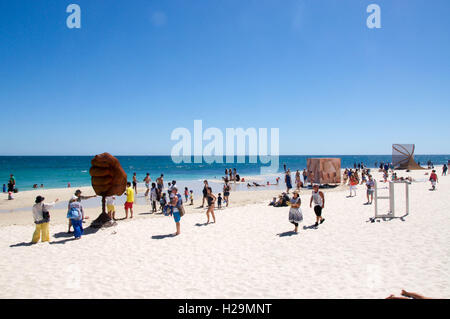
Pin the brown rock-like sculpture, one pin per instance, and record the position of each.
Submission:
(108, 178)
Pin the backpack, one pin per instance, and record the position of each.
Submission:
(73, 213)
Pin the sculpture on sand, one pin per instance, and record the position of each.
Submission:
(403, 156)
(324, 170)
(108, 178)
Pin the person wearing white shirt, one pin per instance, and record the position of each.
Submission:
(41, 221)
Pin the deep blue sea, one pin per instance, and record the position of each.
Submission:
(57, 171)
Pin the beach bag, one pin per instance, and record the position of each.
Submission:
(45, 215)
(73, 213)
(180, 205)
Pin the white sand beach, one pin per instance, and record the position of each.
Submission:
(249, 253)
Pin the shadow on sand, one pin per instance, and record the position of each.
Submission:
(287, 234)
(163, 236)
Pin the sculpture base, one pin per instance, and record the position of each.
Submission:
(103, 221)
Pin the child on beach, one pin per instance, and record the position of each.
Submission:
(192, 197)
(110, 201)
(130, 200)
(219, 201)
(353, 182)
(4, 188)
(186, 194)
(163, 203)
(433, 179)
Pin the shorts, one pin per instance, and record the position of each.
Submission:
(134, 183)
(433, 183)
(176, 216)
(110, 208)
(370, 191)
(318, 210)
(147, 185)
(128, 205)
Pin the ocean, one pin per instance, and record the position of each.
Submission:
(57, 171)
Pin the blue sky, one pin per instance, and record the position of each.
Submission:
(138, 69)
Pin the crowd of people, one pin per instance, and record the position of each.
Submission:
(171, 203)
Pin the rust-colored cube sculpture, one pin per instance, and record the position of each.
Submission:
(324, 170)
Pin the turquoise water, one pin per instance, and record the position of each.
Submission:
(57, 171)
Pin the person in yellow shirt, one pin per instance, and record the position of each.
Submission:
(130, 200)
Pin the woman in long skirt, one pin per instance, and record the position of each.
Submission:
(295, 213)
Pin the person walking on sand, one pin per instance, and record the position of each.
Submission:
(41, 218)
(444, 170)
(175, 205)
(353, 182)
(135, 183)
(147, 181)
(211, 202)
(305, 176)
(76, 215)
(205, 192)
(370, 189)
(77, 197)
(226, 194)
(433, 179)
(287, 179)
(319, 204)
(130, 200)
(295, 212)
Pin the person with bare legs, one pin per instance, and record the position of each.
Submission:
(319, 203)
(130, 200)
(135, 183)
(147, 181)
(211, 202)
(295, 213)
(408, 295)
(205, 192)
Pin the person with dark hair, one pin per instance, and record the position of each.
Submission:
(319, 203)
(211, 201)
(11, 183)
(153, 197)
(433, 179)
(135, 183)
(295, 213)
(444, 170)
(41, 218)
(130, 200)
(175, 204)
(205, 191)
(287, 179)
(147, 181)
(77, 197)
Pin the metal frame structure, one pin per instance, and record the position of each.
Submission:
(391, 197)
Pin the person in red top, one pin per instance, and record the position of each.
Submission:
(433, 179)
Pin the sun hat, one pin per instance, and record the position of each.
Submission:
(39, 199)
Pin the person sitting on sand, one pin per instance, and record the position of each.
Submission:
(319, 203)
(211, 201)
(40, 209)
(273, 202)
(295, 213)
